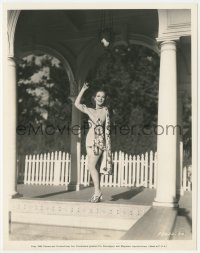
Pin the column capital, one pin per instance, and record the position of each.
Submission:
(168, 45)
(14, 60)
(11, 61)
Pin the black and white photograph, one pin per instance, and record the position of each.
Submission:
(100, 125)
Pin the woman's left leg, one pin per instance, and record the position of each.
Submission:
(92, 162)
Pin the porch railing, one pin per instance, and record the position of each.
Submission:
(128, 170)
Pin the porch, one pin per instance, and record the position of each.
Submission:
(50, 212)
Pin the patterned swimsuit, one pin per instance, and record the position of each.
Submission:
(98, 138)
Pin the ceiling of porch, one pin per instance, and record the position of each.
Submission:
(73, 29)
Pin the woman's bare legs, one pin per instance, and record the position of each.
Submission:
(92, 162)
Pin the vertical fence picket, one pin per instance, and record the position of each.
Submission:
(181, 164)
(85, 170)
(40, 169)
(119, 169)
(26, 170)
(155, 169)
(57, 168)
(110, 177)
(51, 168)
(36, 169)
(126, 170)
(138, 171)
(29, 169)
(67, 165)
(130, 170)
(142, 180)
(63, 168)
(115, 169)
(56, 165)
(134, 171)
(110, 180)
(67, 173)
(146, 170)
(69, 168)
(88, 174)
(33, 170)
(48, 169)
(122, 169)
(82, 169)
(151, 170)
(102, 184)
(44, 174)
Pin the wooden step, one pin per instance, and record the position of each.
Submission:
(76, 214)
(156, 224)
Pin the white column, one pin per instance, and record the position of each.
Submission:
(75, 148)
(167, 122)
(10, 104)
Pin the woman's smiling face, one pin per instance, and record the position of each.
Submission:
(100, 98)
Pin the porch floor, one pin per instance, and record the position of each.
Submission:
(116, 195)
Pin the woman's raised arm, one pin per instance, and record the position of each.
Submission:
(82, 107)
(78, 99)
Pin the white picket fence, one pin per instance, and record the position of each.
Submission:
(48, 169)
(128, 170)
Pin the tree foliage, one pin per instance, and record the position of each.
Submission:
(43, 101)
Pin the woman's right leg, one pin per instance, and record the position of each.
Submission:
(92, 162)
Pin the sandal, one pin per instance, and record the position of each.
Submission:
(96, 198)
(90, 200)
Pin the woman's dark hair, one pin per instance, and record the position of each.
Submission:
(95, 93)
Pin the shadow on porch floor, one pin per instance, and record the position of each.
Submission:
(115, 195)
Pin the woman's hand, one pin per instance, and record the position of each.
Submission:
(85, 86)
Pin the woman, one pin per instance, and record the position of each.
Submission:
(97, 139)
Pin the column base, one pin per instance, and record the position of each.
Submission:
(165, 204)
(74, 187)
